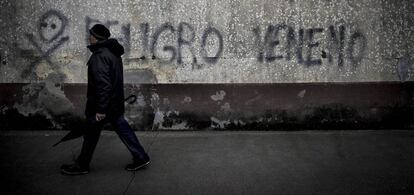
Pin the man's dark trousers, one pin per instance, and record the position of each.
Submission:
(122, 128)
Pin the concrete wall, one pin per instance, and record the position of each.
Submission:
(231, 42)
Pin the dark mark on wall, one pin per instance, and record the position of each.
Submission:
(47, 35)
(110, 23)
(206, 34)
(308, 41)
(403, 67)
(258, 44)
(356, 38)
(272, 39)
(131, 99)
(140, 75)
(166, 27)
(12, 119)
(182, 41)
(191, 120)
(3, 59)
(337, 46)
(290, 45)
(312, 44)
(299, 46)
(324, 54)
(144, 36)
(126, 30)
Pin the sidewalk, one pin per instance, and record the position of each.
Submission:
(211, 162)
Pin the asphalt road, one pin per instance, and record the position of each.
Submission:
(213, 162)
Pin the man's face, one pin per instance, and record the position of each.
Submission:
(92, 40)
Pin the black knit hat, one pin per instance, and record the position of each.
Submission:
(100, 32)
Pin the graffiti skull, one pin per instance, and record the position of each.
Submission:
(52, 25)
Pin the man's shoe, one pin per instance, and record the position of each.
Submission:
(74, 169)
(137, 164)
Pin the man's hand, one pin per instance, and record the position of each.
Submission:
(100, 116)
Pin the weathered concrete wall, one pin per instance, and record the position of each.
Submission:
(265, 54)
(220, 106)
(229, 41)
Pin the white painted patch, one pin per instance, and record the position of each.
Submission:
(180, 126)
(217, 123)
(155, 101)
(48, 100)
(3, 109)
(166, 101)
(218, 96)
(242, 122)
(141, 100)
(158, 118)
(239, 122)
(302, 93)
(187, 99)
(226, 107)
(248, 102)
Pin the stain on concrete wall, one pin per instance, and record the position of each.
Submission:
(283, 106)
(204, 106)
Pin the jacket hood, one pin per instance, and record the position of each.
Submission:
(112, 44)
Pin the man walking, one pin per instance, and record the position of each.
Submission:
(105, 102)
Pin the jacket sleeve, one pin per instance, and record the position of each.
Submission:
(100, 68)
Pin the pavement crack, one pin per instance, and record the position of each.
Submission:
(133, 173)
(130, 182)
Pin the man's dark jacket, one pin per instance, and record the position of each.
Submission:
(105, 79)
